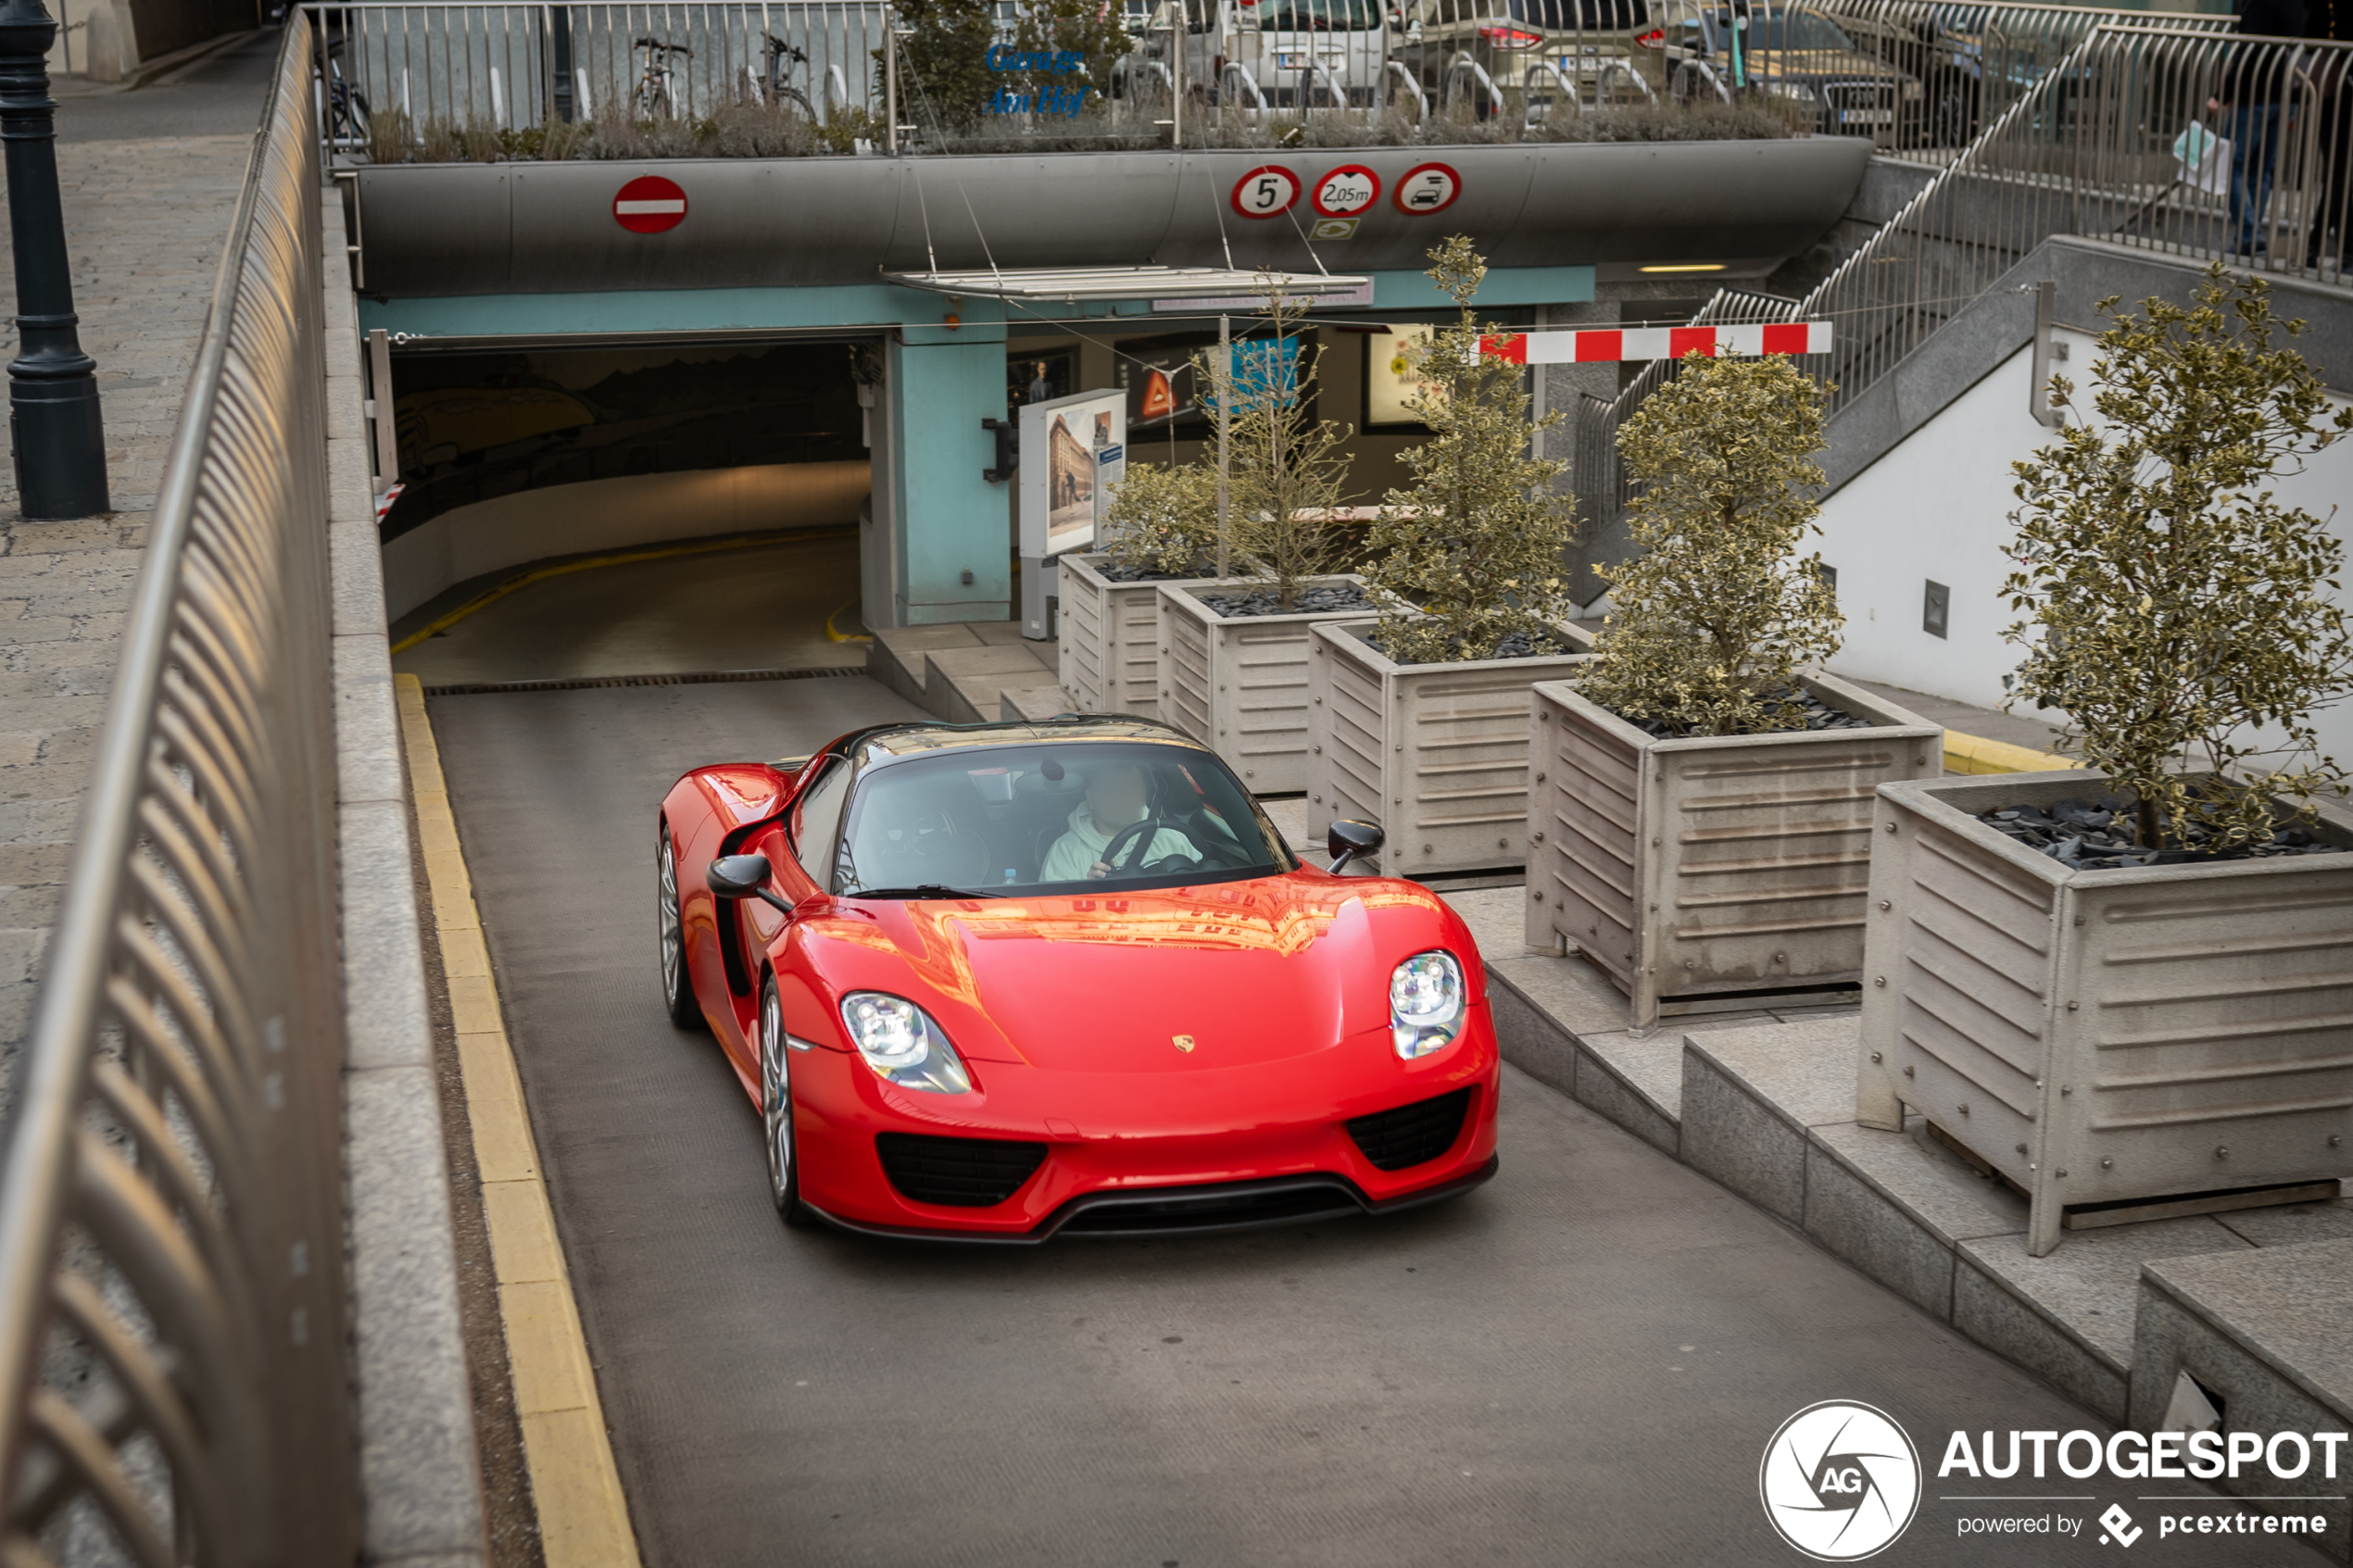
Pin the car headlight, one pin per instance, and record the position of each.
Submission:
(902, 1042)
(1425, 1003)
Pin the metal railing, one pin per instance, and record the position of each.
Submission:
(174, 1327)
(2162, 136)
(456, 71)
(447, 79)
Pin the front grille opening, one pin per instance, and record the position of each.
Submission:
(957, 1173)
(1179, 1208)
(1411, 1135)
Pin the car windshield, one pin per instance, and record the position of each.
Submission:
(1319, 16)
(1065, 816)
(1794, 30)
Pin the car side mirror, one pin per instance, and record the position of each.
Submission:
(1344, 841)
(743, 876)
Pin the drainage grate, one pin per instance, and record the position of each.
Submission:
(696, 678)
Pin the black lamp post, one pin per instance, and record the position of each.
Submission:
(59, 445)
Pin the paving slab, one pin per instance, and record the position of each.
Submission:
(2291, 1305)
(146, 222)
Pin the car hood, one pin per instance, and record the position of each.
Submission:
(1248, 973)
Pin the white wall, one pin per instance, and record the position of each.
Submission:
(606, 514)
(1937, 508)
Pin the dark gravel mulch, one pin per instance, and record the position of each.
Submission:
(2094, 836)
(1820, 715)
(1311, 601)
(1520, 645)
(1110, 571)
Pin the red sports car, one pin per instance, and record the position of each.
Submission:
(1002, 981)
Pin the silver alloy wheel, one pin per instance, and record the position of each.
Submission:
(674, 945)
(776, 1097)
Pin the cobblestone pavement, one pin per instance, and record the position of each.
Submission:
(145, 224)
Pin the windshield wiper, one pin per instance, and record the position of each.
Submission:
(924, 890)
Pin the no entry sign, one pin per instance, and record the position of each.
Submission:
(648, 205)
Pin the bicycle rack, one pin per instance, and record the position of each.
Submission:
(1421, 99)
(1705, 73)
(1462, 65)
(1568, 90)
(1614, 67)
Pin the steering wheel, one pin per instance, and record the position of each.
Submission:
(1134, 831)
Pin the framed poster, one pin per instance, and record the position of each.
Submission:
(1389, 378)
(1059, 489)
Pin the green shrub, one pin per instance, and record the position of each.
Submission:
(2173, 610)
(1709, 625)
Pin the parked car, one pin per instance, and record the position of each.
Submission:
(1288, 54)
(1004, 981)
(1789, 52)
(1517, 56)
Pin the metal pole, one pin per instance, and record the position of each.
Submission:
(1177, 82)
(54, 429)
(1224, 384)
(890, 78)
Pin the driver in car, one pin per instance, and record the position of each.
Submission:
(1116, 799)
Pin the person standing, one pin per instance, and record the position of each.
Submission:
(2248, 102)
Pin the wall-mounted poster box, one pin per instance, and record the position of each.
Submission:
(1060, 440)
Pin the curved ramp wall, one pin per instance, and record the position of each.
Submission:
(610, 514)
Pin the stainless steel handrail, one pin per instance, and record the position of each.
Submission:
(173, 1324)
(2120, 141)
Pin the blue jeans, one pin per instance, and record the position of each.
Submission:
(2255, 141)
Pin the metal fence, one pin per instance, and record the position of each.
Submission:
(2167, 137)
(481, 70)
(173, 1333)
(457, 79)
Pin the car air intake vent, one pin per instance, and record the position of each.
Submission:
(958, 1172)
(1411, 1135)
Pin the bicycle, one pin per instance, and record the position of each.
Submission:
(346, 106)
(654, 98)
(774, 88)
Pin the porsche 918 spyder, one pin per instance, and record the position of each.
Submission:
(1004, 981)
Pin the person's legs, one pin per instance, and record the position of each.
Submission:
(2255, 135)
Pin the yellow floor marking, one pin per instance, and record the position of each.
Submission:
(583, 1519)
(657, 552)
(1972, 754)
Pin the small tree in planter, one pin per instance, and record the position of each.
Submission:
(2174, 611)
(1705, 825)
(1712, 621)
(1286, 472)
(1162, 527)
(1479, 538)
(1420, 719)
(2200, 1042)
(1234, 653)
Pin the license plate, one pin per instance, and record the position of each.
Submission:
(1293, 62)
(1866, 116)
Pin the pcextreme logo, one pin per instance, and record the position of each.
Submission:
(1840, 1480)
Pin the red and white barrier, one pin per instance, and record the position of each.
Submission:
(1596, 346)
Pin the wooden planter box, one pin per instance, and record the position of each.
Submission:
(2105, 1036)
(1437, 753)
(1239, 686)
(1687, 868)
(1110, 635)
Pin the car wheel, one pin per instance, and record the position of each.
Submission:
(775, 1101)
(677, 988)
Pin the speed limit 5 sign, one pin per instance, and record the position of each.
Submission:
(1266, 192)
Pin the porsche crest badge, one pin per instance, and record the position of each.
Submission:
(1182, 1042)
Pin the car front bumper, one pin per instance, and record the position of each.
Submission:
(1128, 1154)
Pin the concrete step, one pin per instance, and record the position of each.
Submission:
(1033, 703)
(965, 684)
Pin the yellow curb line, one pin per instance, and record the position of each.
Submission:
(1974, 754)
(540, 574)
(583, 1519)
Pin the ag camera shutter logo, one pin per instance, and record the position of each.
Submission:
(1840, 1480)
